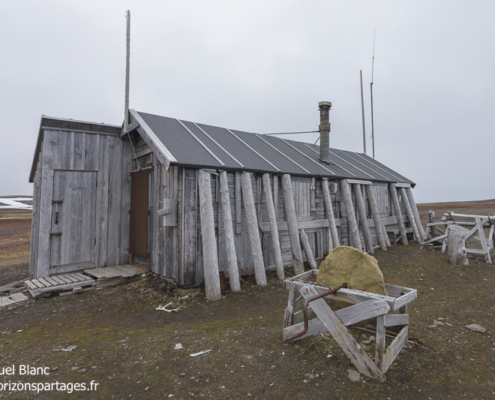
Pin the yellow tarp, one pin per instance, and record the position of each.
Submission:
(359, 270)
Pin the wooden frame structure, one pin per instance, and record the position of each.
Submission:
(365, 306)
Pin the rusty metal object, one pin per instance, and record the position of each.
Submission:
(305, 309)
(224, 282)
(138, 235)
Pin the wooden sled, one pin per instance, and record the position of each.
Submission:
(365, 306)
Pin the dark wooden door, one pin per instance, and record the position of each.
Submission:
(138, 236)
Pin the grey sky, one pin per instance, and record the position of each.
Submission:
(263, 66)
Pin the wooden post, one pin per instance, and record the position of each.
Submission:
(410, 196)
(210, 257)
(235, 285)
(351, 216)
(333, 233)
(398, 214)
(253, 230)
(376, 218)
(380, 342)
(362, 217)
(238, 202)
(411, 217)
(290, 214)
(272, 218)
(307, 250)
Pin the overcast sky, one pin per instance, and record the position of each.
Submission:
(263, 66)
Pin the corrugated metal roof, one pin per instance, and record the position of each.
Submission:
(200, 145)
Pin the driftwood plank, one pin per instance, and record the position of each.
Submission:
(307, 249)
(333, 233)
(398, 214)
(379, 227)
(363, 218)
(412, 202)
(351, 216)
(291, 217)
(272, 218)
(394, 349)
(396, 319)
(410, 215)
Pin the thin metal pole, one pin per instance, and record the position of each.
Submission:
(127, 69)
(371, 92)
(362, 108)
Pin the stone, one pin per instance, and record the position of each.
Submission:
(359, 270)
(311, 376)
(476, 328)
(81, 370)
(372, 339)
(182, 374)
(438, 323)
(74, 368)
(354, 375)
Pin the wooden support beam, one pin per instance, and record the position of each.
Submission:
(398, 214)
(254, 234)
(235, 284)
(379, 227)
(290, 214)
(272, 218)
(307, 250)
(210, 257)
(362, 218)
(238, 203)
(484, 245)
(410, 215)
(332, 231)
(351, 216)
(412, 202)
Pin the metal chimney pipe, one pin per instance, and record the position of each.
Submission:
(325, 131)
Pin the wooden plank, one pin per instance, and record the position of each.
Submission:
(405, 299)
(45, 223)
(238, 204)
(275, 195)
(412, 202)
(125, 200)
(68, 286)
(339, 332)
(210, 258)
(58, 280)
(37, 283)
(380, 342)
(292, 224)
(363, 218)
(396, 319)
(403, 185)
(359, 182)
(482, 239)
(334, 234)
(64, 279)
(394, 349)
(307, 249)
(235, 284)
(289, 311)
(410, 215)
(72, 267)
(44, 282)
(379, 227)
(352, 226)
(398, 214)
(254, 235)
(189, 225)
(272, 218)
(52, 281)
(102, 202)
(348, 316)
(301, 224)
(31, 285)
(159, 149)
(114, 202)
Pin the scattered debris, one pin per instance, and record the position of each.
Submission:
(438, 323)
(200, 353)
(12, 299)
(164, 308)
(178, 346)
(476, 328)
(182, 374)
(354, 375)
(69, 348)
(71, 283)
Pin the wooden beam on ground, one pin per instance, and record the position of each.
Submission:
(412, 202)
(362, 218)
(235, 284)
(411, 217)
(272, 218)
(290, 213)
(379, 227)
(307, 250)
(351, 216)
(210, 257)
(332, 231)
(253, 231)
(398, 214)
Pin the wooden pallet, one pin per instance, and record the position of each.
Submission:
(114, 275)
(12, 299)
(67, 282)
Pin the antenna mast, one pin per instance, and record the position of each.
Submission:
(362, 109)
(371, 91)
(127, 68)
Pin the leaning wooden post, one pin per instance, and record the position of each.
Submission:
(329, 213)
(410, 196)
(290, 214)
(376, 218)
(351, 216)
(307, 250)
(410, 216)
(253, 230)
(235, 284)
(210, 257)
(272, 217)
(398, 214)
(362, 218)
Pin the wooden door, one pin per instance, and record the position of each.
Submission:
(72, 238)
(139, 224)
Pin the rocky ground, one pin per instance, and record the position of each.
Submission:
(116, 338)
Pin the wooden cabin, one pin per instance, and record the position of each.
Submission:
(187, 200)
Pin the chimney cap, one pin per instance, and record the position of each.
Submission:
(325, 104)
